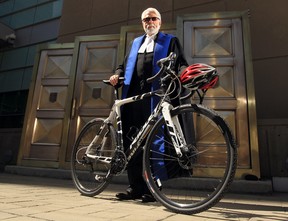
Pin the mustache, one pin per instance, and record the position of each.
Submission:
(150, 26)
(151, 29)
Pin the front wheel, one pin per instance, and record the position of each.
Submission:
(197, 180)
(91, 176)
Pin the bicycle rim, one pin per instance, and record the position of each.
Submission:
(196, 181)
(91, 176)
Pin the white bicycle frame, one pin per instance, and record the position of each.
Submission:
(173, 125)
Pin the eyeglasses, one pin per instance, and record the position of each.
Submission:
(149, 18)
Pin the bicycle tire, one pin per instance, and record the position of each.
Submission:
(196, 183)
(92, 176)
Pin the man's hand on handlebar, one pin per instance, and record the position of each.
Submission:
(114, 79)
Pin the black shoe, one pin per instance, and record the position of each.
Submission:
(127, 196)
(148, 198)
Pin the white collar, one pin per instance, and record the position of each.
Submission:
(148, 44)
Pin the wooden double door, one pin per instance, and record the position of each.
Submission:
(67, 92)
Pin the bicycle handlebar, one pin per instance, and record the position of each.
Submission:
(119, 84)
(164, 64)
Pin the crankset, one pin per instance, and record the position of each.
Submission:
(118, 163)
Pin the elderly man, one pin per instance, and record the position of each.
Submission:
(140, 64)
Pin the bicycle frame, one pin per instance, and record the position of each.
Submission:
(163, 107)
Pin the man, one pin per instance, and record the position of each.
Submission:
(140, 64)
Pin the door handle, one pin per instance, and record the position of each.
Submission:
(73, 113)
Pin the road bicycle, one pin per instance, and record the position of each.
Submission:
(189, 157)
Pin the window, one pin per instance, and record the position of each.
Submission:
(12, 108)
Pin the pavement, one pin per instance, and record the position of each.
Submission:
(31, 198)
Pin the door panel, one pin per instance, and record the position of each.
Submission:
(53, 82)
(219, 41)
(95, 60)
(212, 43)
(44, 121)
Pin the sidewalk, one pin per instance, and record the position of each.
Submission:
(38, 198)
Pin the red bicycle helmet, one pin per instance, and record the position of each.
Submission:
(199, 76)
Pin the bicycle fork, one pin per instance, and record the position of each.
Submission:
(174, 129)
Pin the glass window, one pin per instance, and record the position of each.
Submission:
(12, 108)
(20, 4)
(12, 80)
(1, 57)
(31, 55)
(6, 20)
(26, 81)
(15, 80)
(41, 12)
(23, 18)
(2, 82)
(14, 58)
(48, 11)
(6, 7)
(43, 1)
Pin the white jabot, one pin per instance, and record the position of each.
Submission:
(148, 44)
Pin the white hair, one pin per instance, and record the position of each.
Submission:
(148, 10)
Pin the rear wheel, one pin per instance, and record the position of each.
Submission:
(91, 176)
(196, 181)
